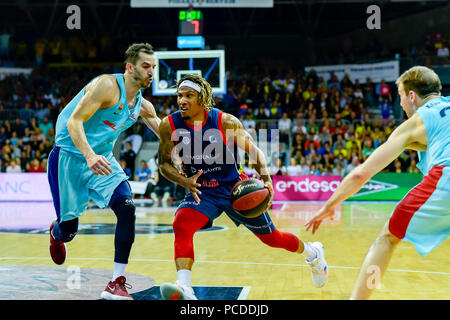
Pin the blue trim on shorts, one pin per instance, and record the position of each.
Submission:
(52, 175)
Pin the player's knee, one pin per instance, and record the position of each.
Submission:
(68, 229)
(388, 235)
(184, 224)
(125, 211)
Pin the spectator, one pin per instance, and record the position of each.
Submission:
(315, 170)
(385, 106)
(397, 166)
(35, 166)
(162, 191)
(33, 125)
(18, 127)
(2, 166)
(143, 173)
(247, 120)
(45, 126)
(293, 169)
(3, 136)
(377, 136)
(284, 125)
(13, 167)
(385, 90)
(129, 156)
(14, 140)
(278, 169)
(123, 165)
(412, 167)
(340, 150)
(368, 148)
(304, 168)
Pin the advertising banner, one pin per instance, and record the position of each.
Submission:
(384, 186)
(304, 188)
(387, 70)
(387, 186)
(202, 3)
(24, 187)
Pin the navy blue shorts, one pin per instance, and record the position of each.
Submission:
(215, 201)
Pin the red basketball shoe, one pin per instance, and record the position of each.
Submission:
(117, 290)
(57, 248)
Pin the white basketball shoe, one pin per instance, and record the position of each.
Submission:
(177, 291)
(319, 267)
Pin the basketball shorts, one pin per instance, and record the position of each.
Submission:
(72, 183)
(215, 201)
(423, 215)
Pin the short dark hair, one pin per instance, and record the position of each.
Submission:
(132, 53)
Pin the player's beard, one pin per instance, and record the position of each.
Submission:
(141, 80)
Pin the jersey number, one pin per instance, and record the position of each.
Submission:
(442, 113)
(210, 183)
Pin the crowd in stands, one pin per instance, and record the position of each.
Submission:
(76, 48)
(328, 125)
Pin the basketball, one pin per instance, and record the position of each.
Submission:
(249, 198)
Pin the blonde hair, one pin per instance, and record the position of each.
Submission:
(205, 97)
(422, 80)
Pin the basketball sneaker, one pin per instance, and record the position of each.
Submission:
(57, 248)
(117, 290)
(177, 291)
(319, 267)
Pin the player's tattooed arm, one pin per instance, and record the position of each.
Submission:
(235, 133)
(165, 151)
(149, 116)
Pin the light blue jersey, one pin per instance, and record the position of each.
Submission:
(435, 114)
(104, 127)
(71, 181)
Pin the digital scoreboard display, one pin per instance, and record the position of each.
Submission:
(190, 23)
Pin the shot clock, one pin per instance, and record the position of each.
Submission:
(190, 23)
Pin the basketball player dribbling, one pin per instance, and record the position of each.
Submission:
(423, 215)
(187, 138)
(82, 166)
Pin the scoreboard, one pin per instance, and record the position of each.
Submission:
(190, 30)
(190, 23)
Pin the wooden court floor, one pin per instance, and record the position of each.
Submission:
(232, 256)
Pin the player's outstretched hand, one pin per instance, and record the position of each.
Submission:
(315, 222)
(99, 165)
(192, 186)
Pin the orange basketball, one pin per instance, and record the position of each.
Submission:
(249, 198)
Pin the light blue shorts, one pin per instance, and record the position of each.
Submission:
(72, 183)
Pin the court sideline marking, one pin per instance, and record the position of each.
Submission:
(228, 262)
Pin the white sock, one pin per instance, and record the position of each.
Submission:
(309, 252)
(119, 270)
(184, 276)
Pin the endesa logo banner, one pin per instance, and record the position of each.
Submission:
(304, 188)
